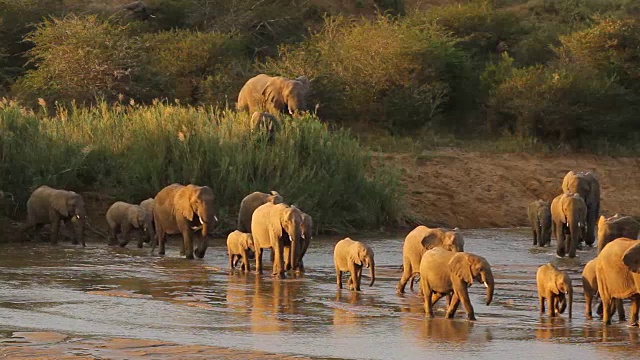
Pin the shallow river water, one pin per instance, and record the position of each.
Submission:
(103, 291)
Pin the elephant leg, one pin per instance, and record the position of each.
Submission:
(258, 260)
(535, 237)
(113, 235)
(162, 239)
(620, 308)
(278, 264)
(338, 278)
(635, 303)
(246, 266)
(573, 245)
(406, 275)
(141, 239)
(588, 299)
(124, 231)
(358, 277)
(231, 257)
(453, 306)
(560, 240)
(462, 293)
(541, 300)
(55, 229)
(553, 304)
(286, 253)
(428, 305)
(187, 243)
(606, 310)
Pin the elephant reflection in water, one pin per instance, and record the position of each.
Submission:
(271, 299)
(440, 330)
(238, 294)
(553, 327)
(179, 278)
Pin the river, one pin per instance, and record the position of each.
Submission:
(103, 291)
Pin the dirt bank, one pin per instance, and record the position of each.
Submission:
(479, 190)
(52, 345)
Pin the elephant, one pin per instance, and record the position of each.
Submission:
(123, 216)
(240, 244)
(615, 227)
(569, 216)
(539, 213)
(618, 276)
(49, 205)
(306, 234)
(250, 203)
(420, 240)
(265, 122)
(554, 286)
(274, 226)
(587, 185)
(350, 255)
(443, 272)
(147, 205)
(180, 209)
(274, 94)
(590, 288)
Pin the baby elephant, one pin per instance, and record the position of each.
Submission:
(539, 213)
(352, 256)
(554, 285)
(122, 217)
(590, 286)
(240, 245)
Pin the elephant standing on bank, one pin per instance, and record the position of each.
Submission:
(590, 288)
(272, 226)
(49, 206)
(443, 272)
(615, 227)
(618, 276)
(587, 185)
(274, 94)
(569, 216)
(554, 286)
(180, 209)
(539, 214)
(420, 240)
(250, 203)
(122, 217)
(351, 256)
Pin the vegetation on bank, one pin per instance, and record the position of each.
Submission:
(133, 151)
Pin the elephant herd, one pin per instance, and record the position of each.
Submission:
(435, 257)
(572, 217)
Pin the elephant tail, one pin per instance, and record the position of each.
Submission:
(415, 278)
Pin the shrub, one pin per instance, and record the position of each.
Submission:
(134, 151)
(366, 69)
(194, 66)
(80, 58)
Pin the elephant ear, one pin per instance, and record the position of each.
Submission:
(305, 83)
(631, 258)
(460, 266)
(60, 203)
(354, 256)
(273, 92)
(430, 240)
(182, 201)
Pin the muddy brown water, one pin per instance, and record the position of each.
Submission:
(103, 291)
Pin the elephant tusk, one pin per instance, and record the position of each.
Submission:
(215, 218)
(201, 222)
(485, 284)
(78, 216)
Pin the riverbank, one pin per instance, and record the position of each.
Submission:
(457, 188)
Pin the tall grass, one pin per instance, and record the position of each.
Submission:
(133, 151)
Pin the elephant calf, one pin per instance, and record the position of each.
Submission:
(48, 205)
(122, 217)
(240, 245)
(443, 272)
(590, 287)
(554, 286)
(615, 227)
(539, 214)
(351, 256)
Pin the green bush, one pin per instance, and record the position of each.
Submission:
(80, 58)
(368, 69)
(132, 152)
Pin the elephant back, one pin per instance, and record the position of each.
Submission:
(164, 208)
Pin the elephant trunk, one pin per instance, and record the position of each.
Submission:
(487, 279)
(372, 271)
(294, 237)
(79, 227)
(570, 300)
(545, 230)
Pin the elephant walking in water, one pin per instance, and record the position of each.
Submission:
(122, 217)
(539, 214)
(569, 216)
(554, 286)
(586, 184)
(351, 256)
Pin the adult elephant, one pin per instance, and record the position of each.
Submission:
(614, 227)
(443, 272)
(618, 276)
(47, 205)
(539, 214)
(306, 234)
(420, 240)
(271, 226)
(180, 209)
(274, 94)
(250, 203)
(568, 218)
(590, 288)
(586, 184)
